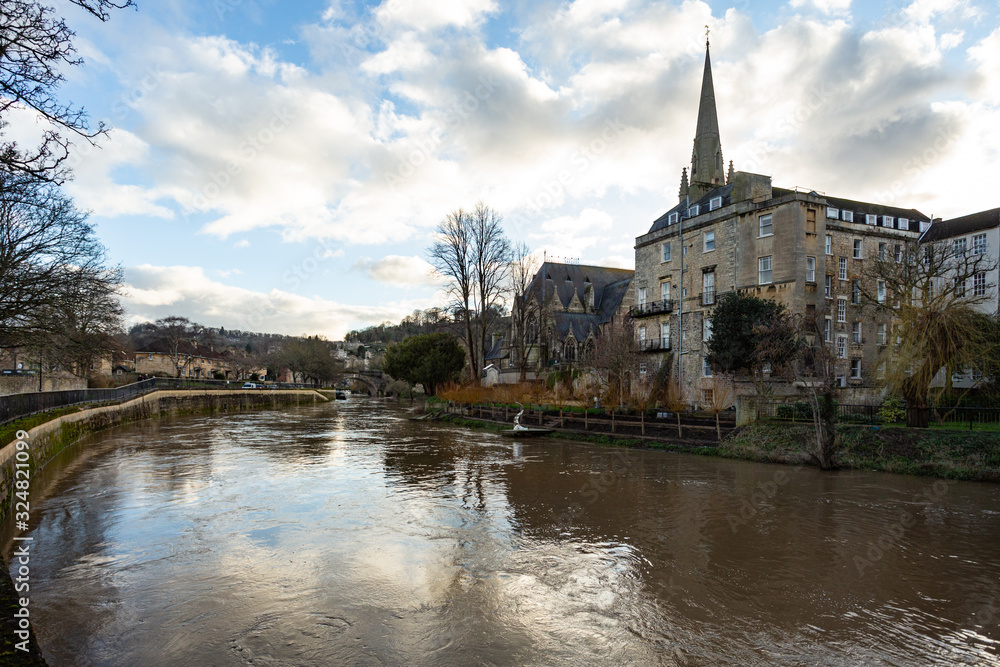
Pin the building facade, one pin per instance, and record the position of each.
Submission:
(565, 308)
(734, 231)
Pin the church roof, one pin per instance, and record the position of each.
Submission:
(610, 286)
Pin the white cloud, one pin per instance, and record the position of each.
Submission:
(825, 6)
(399, 271)
(242, 243)
(158, 291)
(431, 14)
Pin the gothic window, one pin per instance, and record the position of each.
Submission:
(569, 350)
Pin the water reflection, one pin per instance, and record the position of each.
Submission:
(347, 534)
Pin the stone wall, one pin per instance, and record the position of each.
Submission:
(28, 384)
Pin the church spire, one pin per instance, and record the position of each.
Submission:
(707, 167)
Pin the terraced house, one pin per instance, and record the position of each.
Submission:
(735, 231)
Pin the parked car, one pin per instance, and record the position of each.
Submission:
(250, 385)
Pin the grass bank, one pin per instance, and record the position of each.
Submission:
(964, 455)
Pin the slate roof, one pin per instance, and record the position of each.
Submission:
(184, 347)
(566, 280)
(967, 224)
(859, 208)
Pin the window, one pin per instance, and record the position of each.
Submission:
(856, 333)
(841, 381)
(880, 334)
(709, 241)
(810, 269)
(828, 287)
(903, 223)
(959, 287)
(708, 288)
(855, 369)
(642, 296)
(765, 225)
(871, 219)
(843, 269)
(841, 310)
(829, 244)
(665, 335)
(855, 292)
(706, 329)
(665, 291)
(642, 338)
(841, 347)
(832, 213)
(887, 221)
(810, 221)
(764, 270)
(897, 250)
(881, 251)
(880, 288)
(880, 371)
(707, 396)
(714, 203)
(706, 368)
(959, 247)
(847, 216)
(827, 329)
(666, 252)
(150, 356)
(672, 218)
(979, 284)
(857, 248)
(979, 244)
(642, 368)
(694, 210)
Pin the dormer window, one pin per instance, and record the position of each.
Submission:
(902, 223)
(887, 221)
(714, 203)
(673, 218)
(847, 216)
(693, 211)
(871, 219)
(832, 213)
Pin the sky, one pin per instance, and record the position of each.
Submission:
(281, 167)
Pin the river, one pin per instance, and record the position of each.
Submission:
(346, 534)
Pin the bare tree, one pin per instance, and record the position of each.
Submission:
(453, 256)
(176, 333)
(35, 47)
(491, 266)
(51, 265)
(472, 251)
(616, 355)
(723, 397)
(523, 267)
(932, 294)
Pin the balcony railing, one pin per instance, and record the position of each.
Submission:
(654, 345)
(652, 308)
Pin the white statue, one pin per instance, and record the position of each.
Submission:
(517, 419)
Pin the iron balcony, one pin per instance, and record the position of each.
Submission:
(652, 308)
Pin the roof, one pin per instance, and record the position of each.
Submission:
(682, 208)
(610, 286)
(565, 280)
(967, 224)
(726, 191)
(498, 351)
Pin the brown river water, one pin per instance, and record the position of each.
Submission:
(344, 534)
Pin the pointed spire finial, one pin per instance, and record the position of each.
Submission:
(708, 32)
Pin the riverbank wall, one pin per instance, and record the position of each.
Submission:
(949, 454)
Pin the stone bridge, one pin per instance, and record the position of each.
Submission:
(376, 381)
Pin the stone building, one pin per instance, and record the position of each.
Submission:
(566, 306)
(735, 231)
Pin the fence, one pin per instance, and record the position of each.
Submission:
(880, 415)
(14, 406)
